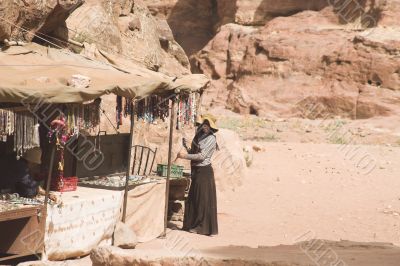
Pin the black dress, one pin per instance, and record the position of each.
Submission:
(201, 204)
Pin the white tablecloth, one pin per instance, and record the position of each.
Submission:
(88, 217)
(86, 220)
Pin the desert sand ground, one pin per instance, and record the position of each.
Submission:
(299, 191)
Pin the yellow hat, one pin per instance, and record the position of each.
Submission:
(33, 155)
(211, 120)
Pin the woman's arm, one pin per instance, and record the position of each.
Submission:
(207, 146)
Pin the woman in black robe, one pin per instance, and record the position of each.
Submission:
(201, 206)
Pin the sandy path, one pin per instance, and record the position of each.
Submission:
(293, 189)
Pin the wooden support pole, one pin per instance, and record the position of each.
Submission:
(171, 135)
(46, 197)
(128, 169)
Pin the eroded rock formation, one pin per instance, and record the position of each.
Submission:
(20, 19)
(123, 27)
(281, 57)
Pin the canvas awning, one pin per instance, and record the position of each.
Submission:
(36, 73)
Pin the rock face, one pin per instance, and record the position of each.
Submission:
(123, 27)
(22, 18)
(194, 23)
(283, 58)
(126, 27)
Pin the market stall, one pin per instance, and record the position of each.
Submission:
(70, 82)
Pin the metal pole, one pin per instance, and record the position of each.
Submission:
(171, 134)
(128, 169)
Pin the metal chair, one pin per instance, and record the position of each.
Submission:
(144, 153)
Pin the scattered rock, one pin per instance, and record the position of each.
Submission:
(258, 148)
(124, 237)
(79, 81)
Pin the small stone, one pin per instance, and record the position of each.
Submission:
(79, 81)
(124, 237)
(257, 148)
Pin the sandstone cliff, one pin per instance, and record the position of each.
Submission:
(278, 57)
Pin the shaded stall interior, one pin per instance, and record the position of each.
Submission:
(22, 228)
(93, 156)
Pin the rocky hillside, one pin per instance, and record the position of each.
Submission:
(278, 58)
(125, 27)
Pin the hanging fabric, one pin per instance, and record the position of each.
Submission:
(152, 108)
(128, 107)
(26, 132)
(186, 111)
(119, 111)
(155, 107)
(7, 124)
(82, 117)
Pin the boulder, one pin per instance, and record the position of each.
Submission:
(124, 237)
(229, 162)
